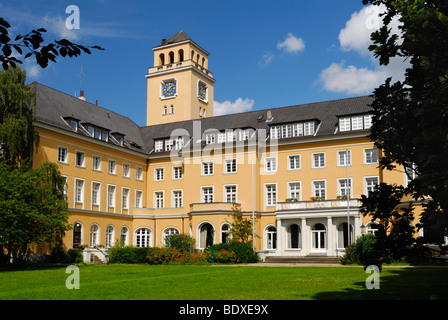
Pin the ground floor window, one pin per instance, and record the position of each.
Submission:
(271, 238)
(343, 237)
(142, 237)
(124, 236)
(293, 236)
(225, 233)
(168, 232)
(110, 236)
(77, 235)
(94, 235)
(205, 235)
(319, 235)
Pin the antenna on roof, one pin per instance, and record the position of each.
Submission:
(81, 92)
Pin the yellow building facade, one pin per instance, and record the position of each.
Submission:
(298, 171)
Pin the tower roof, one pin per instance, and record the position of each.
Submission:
(178, 38)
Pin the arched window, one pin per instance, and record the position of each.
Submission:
(124, 236)
(293, 233)
(143, 237)
(192, 55)
(161, 59)
(77, 235)
(94, 235)
(197, 58)
(203, 62)
(171, 54)
(225, 233)
(110, 236)
(319, 236)
(181, 55)
(168, 232)
(271, 238)
(343, 240)
(205, 235)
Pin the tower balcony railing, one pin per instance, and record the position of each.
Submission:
(317, 204)
(180, 64)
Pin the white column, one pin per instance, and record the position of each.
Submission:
(330, 237)
(305, 238)
(279, 237)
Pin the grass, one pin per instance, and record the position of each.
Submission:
(205, 282)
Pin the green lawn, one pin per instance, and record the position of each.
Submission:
(205, 282)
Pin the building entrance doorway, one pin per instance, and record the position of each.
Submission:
(319, 238)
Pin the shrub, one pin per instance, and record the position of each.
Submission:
(128, 254)
(172, 255)
(372, 255)
(243, 251)
(183, 242)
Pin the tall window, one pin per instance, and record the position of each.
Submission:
(96, 163)
(371, 183)
(293, 233)
(111, 196)
(63, 154)
(125, 199)
(343, 236)
(225, 233)
(138, 199)
(230, 165)
(294, 190)
(177, 199)
(126, 170)
(345, 187)
(96, 193)
(271, 238)
(158, 199)
(294, 162)
(371, 156)
(112, 169)
(230, 194)
(159, 174)
(271, 194)
(80, 159)
(79, 192)
(270, 164)
(124, 236)
(207, 168)
(139, 173)
(94, 235)
(168, 232)
(110, 236)
(344, 158)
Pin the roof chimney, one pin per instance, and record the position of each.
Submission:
(81, 95)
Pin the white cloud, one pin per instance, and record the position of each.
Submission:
(355, 37)
(351, 80)
(228, 107)
(266, 59)
(292, 44)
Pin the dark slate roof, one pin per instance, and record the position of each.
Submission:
(179, 37)
(326, 113)
(53, 105)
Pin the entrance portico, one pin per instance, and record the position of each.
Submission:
(316, 227)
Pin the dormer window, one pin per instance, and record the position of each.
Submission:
(119, 137)
(72, 122)
(290, 130)
(355, 122)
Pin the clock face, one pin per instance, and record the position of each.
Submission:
(202, 91)
(169, 89)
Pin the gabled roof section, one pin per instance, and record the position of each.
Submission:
(179, 38)
(53, 106)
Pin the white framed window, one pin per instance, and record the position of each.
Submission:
(270, 194)
(286, 131)
(111, 190)
(159, 174)
(275, 132)
(271, 237)
(179, 143)
(344, 124)
(177, 199)
(125, 198)
(168, 232)
(270, 164)
(96, 163)
(138, 198)
(124, 236)
(371, 156)
(79, 191)
(319, 160)
(110, 236)
(209, 138)
(62, 154)
(207, 194)
(112, 166)
(126, 170)
(221, 137)
(168, 144)
(308, 128)
(96, 193)
(207, 168)
(319, 189)
(230, 166)
(158, 199)
(357, 123)
(345, 188)
(94, 235)
(143, 237)
(410, 173)
(158, 146)
(297, 129)
(244, 135)
(80, 160)
(344, 158)
(369, 184)
(138, 173)
(294, 190)
(230, 193)
(294, 162)
(177, 173)
(368, 121)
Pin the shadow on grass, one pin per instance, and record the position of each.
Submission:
(422, 283)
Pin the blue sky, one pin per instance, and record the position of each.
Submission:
(264, 54)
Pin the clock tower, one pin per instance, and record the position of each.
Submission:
(180, 86)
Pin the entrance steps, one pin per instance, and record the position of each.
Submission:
(302, 260)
